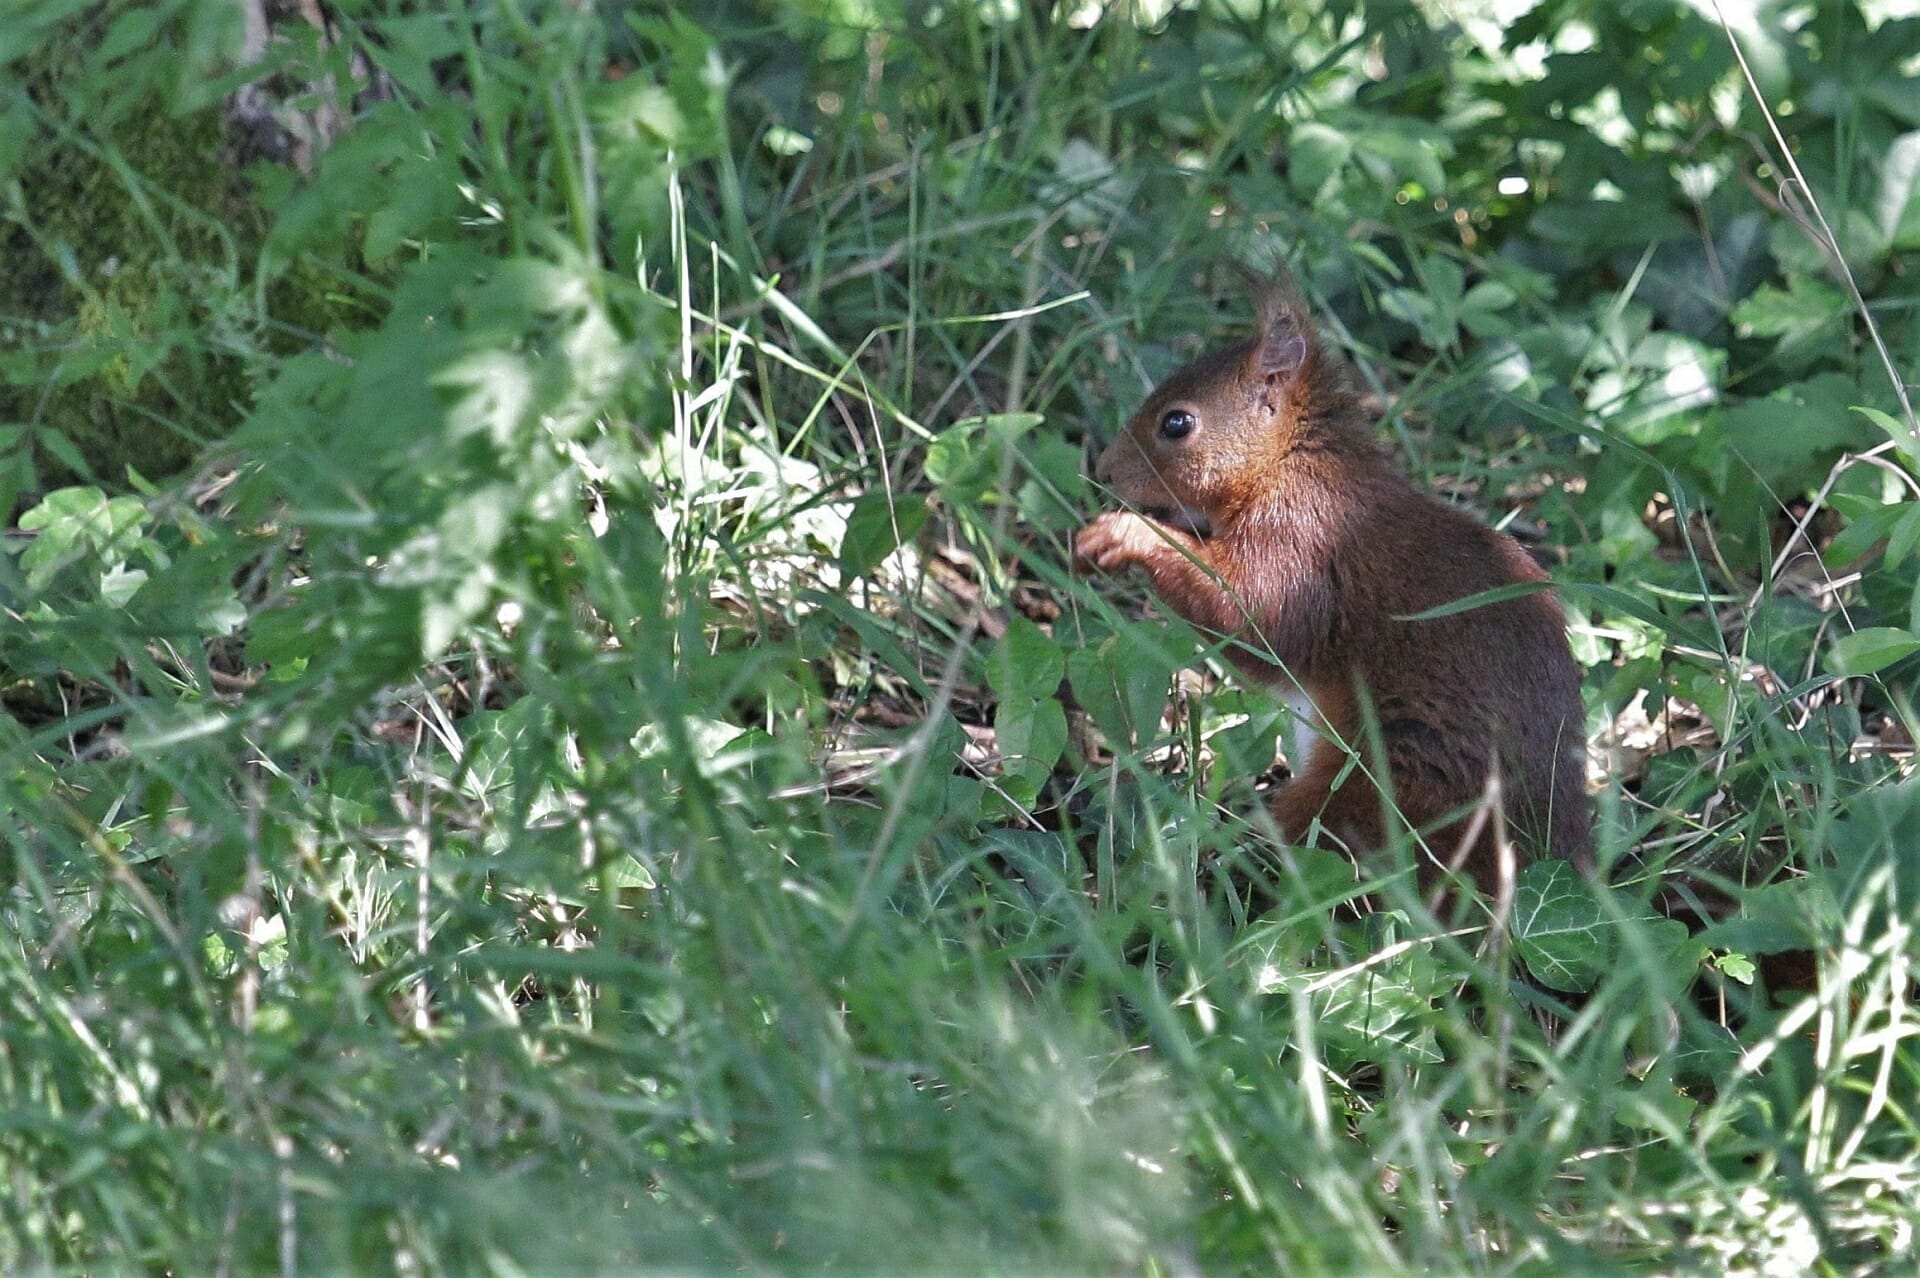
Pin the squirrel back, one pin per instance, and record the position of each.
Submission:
(1263, 512)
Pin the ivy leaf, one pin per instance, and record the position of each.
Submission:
(1373, 1015)
(1559, 929)
(1572, 933)
(1364, 1012)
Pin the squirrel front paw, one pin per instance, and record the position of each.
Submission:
(1114, 540)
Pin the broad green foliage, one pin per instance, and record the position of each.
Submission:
(547, 728)
(1025, 671)
(1571, 933)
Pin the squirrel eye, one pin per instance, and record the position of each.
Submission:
(1178, 423)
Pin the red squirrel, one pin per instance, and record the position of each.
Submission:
(1264, 513)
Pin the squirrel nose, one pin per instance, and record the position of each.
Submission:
(1103, 465)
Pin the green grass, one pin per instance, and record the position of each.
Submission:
(603, 769)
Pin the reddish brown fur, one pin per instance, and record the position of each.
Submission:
(1278, 523)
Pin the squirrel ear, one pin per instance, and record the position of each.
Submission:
(1286, 339)
(1282, 350)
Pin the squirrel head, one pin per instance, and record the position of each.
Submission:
(1217, 432)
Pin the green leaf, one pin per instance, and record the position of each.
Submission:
(1315, 155)
(1795, 313)
(1032, 736)
(1026, 662)
(627, 871)
(1122, 685)
(1710, 689)
(1042, 859)
(1790, 437)
(1362, 1012)
(1904, 537)
(1658, 1108)
(1399, 150)
(879, 524)
(73, 522)
(1659, 390)
(1559, 929)
(966, 459)
(1629, 604)
(1899, 432)
(1309, 881)
(120, 583)
(1056, 493)
(878, 637)
(1483, 312)
(1897, 207)
(1863, 532)
(1873, 861)
(130, 31)
(1875, 648)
